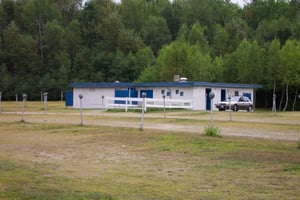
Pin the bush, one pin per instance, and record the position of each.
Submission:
(298, 143)
(212, 131)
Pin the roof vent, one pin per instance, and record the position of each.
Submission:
(183, 79)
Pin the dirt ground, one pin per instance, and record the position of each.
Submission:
(104, 152)
(280, 126)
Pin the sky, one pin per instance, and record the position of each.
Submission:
(241, 3)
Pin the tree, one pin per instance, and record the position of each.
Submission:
(172, 15)
(7, 13)
(36, 14)
(238, 31)
(64, 71)
(73, 40)
(69, 9)
(92, 17)
(272, 68)
(196, 36)
(54, 42)
(18, 48)
(109, 30)
(150, 74)
(250, 62)
(129, 41)
(133, 14)
(6, 81)
(290, 66)
(185, 60)
(144, 58)
(256, 11)
(156, 33)
(220, 41)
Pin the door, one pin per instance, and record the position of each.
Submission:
(223, 95)
(134, 94)
(208, 102)
(68, 98)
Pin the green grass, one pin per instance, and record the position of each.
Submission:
(53, 157)
(123, 163)
(23, 182)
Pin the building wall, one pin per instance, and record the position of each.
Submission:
(92, 97)
(199, 96)
(173, 92)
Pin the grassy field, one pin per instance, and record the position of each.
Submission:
(50, 156)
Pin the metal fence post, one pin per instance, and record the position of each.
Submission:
(23, 106)
(81, 118)
(143, 111)
(211, 96)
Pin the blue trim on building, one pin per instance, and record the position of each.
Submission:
(163, 84)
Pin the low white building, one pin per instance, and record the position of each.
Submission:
(96, 95)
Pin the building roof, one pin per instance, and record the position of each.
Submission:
(163, 84)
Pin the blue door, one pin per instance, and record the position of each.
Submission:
(134, 94)
(223, 95)
(149, 93)
(68, 98)
(208, 103)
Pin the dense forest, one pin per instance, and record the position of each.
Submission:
(47, 44)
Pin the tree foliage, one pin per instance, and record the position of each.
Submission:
(46, 44)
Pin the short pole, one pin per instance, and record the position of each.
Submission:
(143, 111)
(16, 103)
(164, 97)
(45, 102)
(211, 96)
(23, 107)
(230, 110)
(211, 115)
(81, 117)
(102, 97)
(0, 102)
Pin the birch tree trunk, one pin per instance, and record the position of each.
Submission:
(295, 99)
(286, 97)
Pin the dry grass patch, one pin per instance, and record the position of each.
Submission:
(57, 161)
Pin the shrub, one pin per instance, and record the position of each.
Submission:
(212, 131)
(298, 143)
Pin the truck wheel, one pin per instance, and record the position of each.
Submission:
(250, 109)
(235, 108)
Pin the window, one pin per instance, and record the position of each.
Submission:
(177, 91)
(162, 91)
(181, 94)
(236, 93)
(168, 94)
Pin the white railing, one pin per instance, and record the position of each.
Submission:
(136, 103)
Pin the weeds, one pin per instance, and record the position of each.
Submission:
(212, 131)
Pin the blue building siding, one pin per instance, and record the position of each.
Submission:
(68, 98)
(163, 84)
